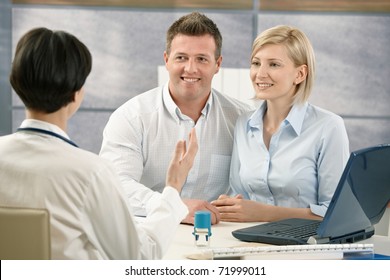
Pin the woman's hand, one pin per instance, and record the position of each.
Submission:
(237, 209)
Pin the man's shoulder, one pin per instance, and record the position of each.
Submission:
(146, 98)
(230, 102)
(145, 102)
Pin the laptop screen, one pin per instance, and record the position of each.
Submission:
(362, 194)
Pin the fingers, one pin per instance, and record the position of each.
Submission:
(190, 153)
(228, 207)
(182, 154)
(215, 215)
(215, 218)
(223, 196)
(180, 149)
(176, 174)
(228, 217)
(199, 205)
(228, 201)
(229, 212)
(182, 161)
(189, 219)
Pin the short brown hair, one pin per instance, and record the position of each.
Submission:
(195, 24)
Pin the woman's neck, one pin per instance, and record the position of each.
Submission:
(275, 114)
(58, 118)
(273, 117)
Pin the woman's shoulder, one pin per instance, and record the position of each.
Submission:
(322, 113)
(323, 118)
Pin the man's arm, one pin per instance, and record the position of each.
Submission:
(122, 146)
(110, 226)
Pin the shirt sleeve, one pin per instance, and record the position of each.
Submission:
(107, 221)
(160, 225)
(111, 228)
(235, 184)
(122, 146)
(333, 156)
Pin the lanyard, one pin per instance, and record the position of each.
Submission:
(48, 133)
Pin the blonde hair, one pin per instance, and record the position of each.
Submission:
(299, 50)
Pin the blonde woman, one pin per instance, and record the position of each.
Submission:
(288, 155)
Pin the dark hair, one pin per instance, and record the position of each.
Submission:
(48, 68)
(195, 24)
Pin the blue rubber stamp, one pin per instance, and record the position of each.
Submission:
(202, 228)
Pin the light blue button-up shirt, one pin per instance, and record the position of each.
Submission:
(303, 164)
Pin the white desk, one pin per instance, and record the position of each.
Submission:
(183, 243)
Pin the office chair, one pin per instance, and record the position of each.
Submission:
(24, 234)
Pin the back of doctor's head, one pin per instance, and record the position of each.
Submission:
(48, 68)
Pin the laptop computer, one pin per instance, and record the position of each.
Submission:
(358, 203)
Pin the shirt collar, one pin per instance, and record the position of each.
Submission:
(44, 125)
(256, 119)
(174, 110)
(295, 117)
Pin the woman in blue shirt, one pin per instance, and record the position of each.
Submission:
(288, 155)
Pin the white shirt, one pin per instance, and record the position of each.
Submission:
(303, 164)
(89, 214)
(141, 135)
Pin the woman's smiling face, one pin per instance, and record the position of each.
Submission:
(273, 73)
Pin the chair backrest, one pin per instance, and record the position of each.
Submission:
(24, 234)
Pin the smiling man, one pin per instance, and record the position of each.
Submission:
(140, 135)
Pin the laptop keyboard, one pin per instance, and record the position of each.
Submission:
(301, 232)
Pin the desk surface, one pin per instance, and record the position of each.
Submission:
(184, 242)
